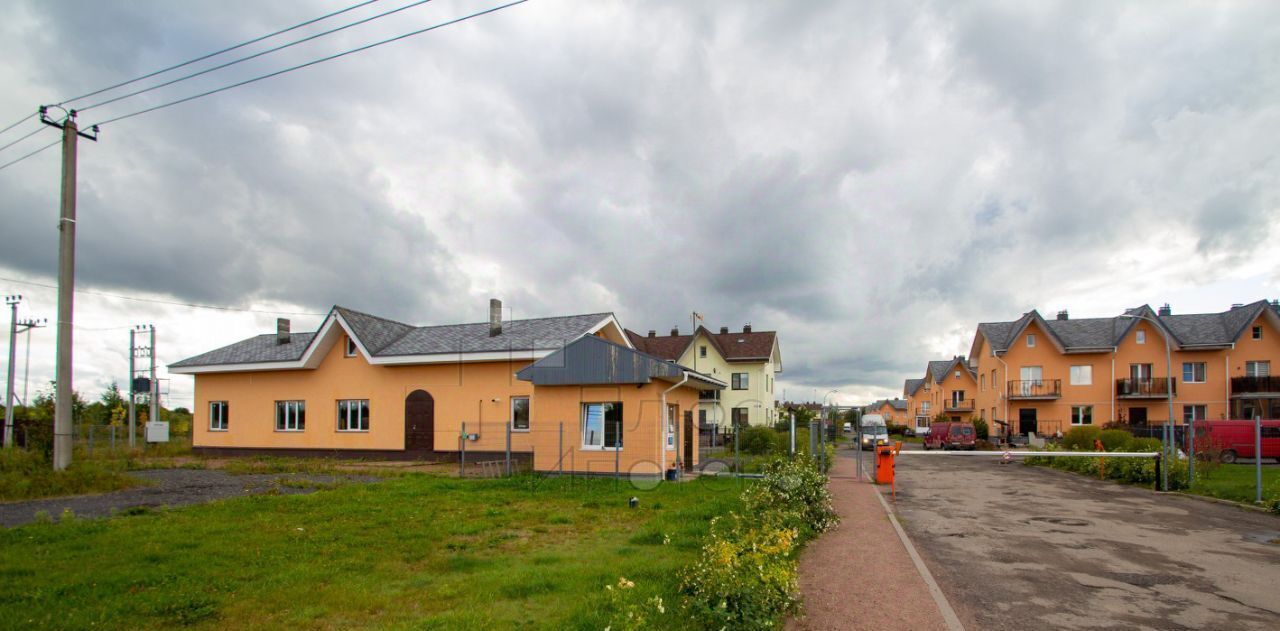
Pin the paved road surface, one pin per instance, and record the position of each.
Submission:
(1018, 547)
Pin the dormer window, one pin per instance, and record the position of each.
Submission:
(1142, 337)
(351, 347)
(1031, 340)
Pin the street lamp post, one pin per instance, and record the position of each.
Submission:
(1167, 435)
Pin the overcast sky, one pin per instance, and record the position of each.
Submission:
(870, 179)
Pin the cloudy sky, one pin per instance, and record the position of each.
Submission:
(870, 179)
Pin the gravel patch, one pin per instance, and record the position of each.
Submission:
(168, 488)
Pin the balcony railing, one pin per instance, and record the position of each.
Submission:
(1035, 389)
(1255, 385)
(925, 412)
(708, 395)
(1153, 388)
(959, 405)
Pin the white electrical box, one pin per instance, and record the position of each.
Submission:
(157, 432)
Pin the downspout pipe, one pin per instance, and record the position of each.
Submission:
(662, 434)
(1004, 396)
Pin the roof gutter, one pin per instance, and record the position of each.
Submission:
(666, 422)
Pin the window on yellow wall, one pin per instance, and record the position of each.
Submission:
(1141, 337)
(219, 416)
(1082, 415)
(353, 415)
(519, 414)
(1082, 375)
(1031, 340)
(351, 347)
(1257, 332)
(291, 416)
(702, 351)
(602, 425)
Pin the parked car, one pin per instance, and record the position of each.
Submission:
(1236, 439)
(874, 431)
(951, 435)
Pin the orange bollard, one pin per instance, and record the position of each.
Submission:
(1102, 462)
(884, 464)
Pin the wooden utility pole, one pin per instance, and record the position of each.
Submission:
(66, 287)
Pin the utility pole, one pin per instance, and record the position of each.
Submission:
(15, 326)
(154, 416)
(66, 285)
(133, 413)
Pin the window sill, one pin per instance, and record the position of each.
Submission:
(352, 431)
(590, 448)
(290, 431)
(516, 430)
(212, 429)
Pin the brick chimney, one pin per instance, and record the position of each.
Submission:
(724, 330)
(495, 317)
(675, 330)
(1062, 315)
(1166, 310)
(746, 328)
(653, 333)
(282, 330)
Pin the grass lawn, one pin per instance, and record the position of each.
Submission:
(417, 551)
(1236, 482)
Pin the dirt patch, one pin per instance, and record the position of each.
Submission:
(172, 487)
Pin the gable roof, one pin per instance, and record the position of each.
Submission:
(384, 341)
(911, 386)
(591, 360)
(756, 346)
(1084, 335)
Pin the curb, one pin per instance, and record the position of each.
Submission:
(1219, 500)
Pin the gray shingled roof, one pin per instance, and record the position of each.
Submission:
(898, 404)
(386, 338)
(911, 385)
(592, 360)
(1187, 329)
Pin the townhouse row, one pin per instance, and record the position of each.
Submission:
(1034, 375)
(569, 393)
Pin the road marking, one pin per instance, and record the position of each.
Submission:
(948, 614)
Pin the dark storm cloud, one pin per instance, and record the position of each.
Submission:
(870, 179)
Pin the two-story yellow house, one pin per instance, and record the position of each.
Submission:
(747, 360)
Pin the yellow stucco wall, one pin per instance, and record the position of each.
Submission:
(758, 398)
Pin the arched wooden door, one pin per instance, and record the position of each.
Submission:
(419, 421)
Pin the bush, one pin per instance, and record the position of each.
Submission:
(981, 429)
(1081, 438)
(29, 474)
(796, 492)
(1145, 444)
(758, 440)
(1115, 439)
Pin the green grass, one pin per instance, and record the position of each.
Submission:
(28, 475)
(417, 551)
(1236, 482)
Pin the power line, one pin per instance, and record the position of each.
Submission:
(311, 63)
(13, 162)
(33, 132)
(16, 123)
(163, 302)
(253, 56)
(219, 52)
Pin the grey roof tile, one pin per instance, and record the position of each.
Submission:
(260, 348)
(909, 388)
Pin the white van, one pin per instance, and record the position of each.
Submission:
(874, 431)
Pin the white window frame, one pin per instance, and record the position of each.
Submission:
(982, 382)
(1251, 368)
(586, 446)
(672, 411)
(295, 416)
(1081, 375)
(1204, 372)
(1140, 337)
(346, 416)
(528, 402)
(219, 416)
(702, 351)
(1257, 332)
(351, 350)
(1199, 411)
(1031, 340)
(1078, 413)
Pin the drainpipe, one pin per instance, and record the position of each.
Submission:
(1113, 384)
(662, 435)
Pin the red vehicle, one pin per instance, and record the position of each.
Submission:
(951, 435)
(1236, 439)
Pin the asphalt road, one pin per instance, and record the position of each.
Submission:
(1018, 547)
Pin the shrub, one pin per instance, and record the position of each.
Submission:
(758, 440)
(981, 428)
(796, 492)
(744, 577)
(1080, 438)
(1145, 444)
(1115, 439)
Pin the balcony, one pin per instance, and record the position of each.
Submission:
(708, 395)
(1154, 388)
(1033, 389)
(924, 412)
(959, 405)
(1255, 386)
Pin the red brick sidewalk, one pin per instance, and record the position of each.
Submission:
(859, 575)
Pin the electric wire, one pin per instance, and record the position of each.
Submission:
(175, 303)
(219, 52)
(253, 56)
(18, 122)
(32, 133)
(310, 63)
(13, 162)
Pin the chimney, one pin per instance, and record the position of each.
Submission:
(653, 333)
(724, 330)
(1237, 305)
(1166, 310)
(746, 328)
(282, 330)
(495, 317)
(1063, 315)
(675, 330)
